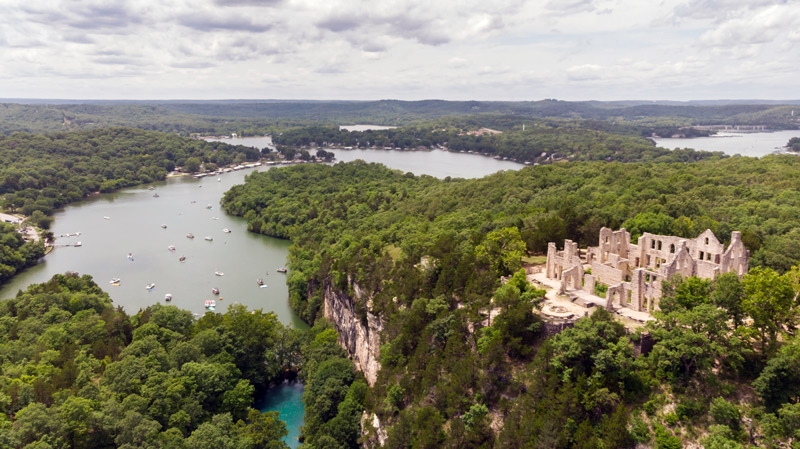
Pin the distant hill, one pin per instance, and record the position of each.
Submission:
(258, 116)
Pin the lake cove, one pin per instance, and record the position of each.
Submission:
(744, 144)
(437, 163)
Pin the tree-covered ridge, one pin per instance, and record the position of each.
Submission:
(45, 118)
(368, 211)
(78, 373)
(45, 172)
(427, 254)
(260, 117)
(541, 142)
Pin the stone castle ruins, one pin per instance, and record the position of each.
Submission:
(633, 273)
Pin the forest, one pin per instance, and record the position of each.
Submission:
(79, 373)
(42, 172)
(248, 118)
(431, 254)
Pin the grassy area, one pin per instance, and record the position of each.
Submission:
(534, 260)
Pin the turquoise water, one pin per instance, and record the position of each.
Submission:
(287, 400)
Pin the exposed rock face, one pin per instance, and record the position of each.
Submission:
(360, 339)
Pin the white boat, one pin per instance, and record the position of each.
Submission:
(168, 297)
(208, 206)
(171, 248)
(106, 218)
(215, 218)
(209, 238)
(219, 273)
(163, 226)
(190, 236)
(263, 286)
(115, 281)
(226, 230)
(219, 179)
(78, 244)
(150, 286)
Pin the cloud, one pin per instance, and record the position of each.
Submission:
(201, 21)
(769, 24)
(585, 72)
(361, 49)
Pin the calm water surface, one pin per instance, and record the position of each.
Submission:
(287, 399)
(364, 127)
(745, 144)
(438, 163)
(134, 226)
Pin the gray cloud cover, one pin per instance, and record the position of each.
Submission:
(407, 49)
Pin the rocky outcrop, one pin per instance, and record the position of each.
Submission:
(373, 434)
(360, 338)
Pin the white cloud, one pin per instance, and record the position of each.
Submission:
(360, 49)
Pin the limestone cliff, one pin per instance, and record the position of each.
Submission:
(361, 339)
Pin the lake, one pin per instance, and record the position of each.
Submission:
(364, 127)
(745, 144)
(438, 163)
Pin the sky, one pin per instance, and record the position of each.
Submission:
(409, 50)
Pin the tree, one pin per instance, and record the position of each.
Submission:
(503, 249)
(769, 301)
(192, 165)
(691, 341)
(729, 294)
(779, 381)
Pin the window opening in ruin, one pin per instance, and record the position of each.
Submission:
(708, 256)
(629, 296)
(702, 255)
(706, 240)
(716, 258)
(659, 245)
(652, 244)
(672, 248)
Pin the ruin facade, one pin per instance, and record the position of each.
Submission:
(633, 273)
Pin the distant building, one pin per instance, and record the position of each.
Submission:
(634, 273)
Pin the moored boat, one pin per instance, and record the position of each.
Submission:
(171, 248)
(114, 281)
(190, 236)
(209, 238)
(260, 281)
(163, 226)
(226, 230)
(219, 273)
(168, 297)
(282, 270)
(182, 258)
(150, 286)
(215, 291)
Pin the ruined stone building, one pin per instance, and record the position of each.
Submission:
(633, 273)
